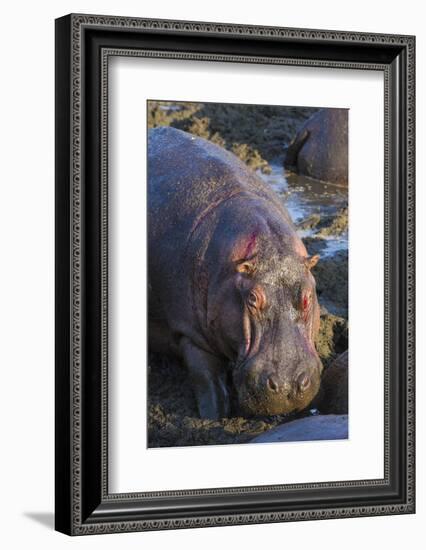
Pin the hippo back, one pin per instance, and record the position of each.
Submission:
(187, 174)
(188, 178)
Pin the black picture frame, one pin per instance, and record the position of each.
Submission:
(83, 45)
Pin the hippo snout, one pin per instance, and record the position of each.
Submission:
(300, 385)
(282, 391)
(303, 381)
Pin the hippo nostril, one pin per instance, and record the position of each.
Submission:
(303, 382)
(272, 384)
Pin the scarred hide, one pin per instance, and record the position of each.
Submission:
(230, 284)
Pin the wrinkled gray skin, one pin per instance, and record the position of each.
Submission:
(229, 280)
(320, 149)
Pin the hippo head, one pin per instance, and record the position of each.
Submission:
(270, 318)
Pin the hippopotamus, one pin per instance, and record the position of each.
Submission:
(230, 288)
(320, 148)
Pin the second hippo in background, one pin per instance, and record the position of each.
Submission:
(320, 149)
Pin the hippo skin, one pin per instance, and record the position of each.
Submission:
(230, 288)
(320, 148)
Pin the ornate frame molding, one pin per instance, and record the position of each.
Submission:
(75, 27)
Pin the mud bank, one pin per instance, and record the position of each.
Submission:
(331, 272)
(256, 134)
(173, 418)
(331, 275)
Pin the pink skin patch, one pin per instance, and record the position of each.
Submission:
(245, 247)
(251, 245)
(244, 254)
(306, 302)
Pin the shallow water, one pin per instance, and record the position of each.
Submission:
(304, 197)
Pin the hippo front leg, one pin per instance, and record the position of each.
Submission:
(208, 377)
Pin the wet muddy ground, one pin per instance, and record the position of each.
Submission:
(320, 212)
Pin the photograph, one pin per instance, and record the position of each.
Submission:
(248, 250)
(210, 299)
(234, 267)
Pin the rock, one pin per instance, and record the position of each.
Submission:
(326, 225)
(333, 395)
(309, 223)
(338, 224)
(310, 428)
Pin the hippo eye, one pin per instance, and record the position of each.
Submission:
(252, 299)
(256, 299)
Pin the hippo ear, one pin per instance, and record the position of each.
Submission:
(245, 267)
(244, 253)
(311, 261)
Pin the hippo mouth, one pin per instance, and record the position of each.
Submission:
(264, 391)
(259, 400)
(263, 403)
